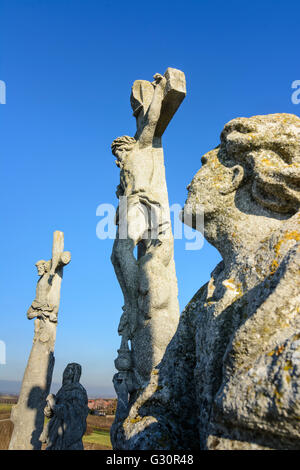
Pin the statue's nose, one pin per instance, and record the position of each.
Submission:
(188, 186)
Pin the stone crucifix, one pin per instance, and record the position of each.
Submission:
(28, 414)
(148, 280)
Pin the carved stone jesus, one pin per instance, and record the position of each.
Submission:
(41, 306)
(148, 281)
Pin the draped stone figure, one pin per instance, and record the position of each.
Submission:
(229, 378)
(27, 415)
(67, 410)
(148, 281)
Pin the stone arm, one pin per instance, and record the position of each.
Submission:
(49, 408)
(126, 269)
(52, 408)
(146, 135)
(59, 261)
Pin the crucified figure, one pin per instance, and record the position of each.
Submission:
(135, 160)
(148, 281)
(43, 307)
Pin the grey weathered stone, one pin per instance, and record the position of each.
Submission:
(230, 376)
(151, 312)
(67, 410)
(28, 415)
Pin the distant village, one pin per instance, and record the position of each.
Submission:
(102, 406)
(97, 406)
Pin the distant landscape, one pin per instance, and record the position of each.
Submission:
(99, 421)
(13, 387)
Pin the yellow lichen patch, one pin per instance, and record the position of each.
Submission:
(258, 270)
(288, 366)
(274, 266)
(266, 161)
(236, 289)
(229, 283)
(278, 396)
(277, 351)
(294, 235)
(136, 420)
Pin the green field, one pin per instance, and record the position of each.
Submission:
(99, 437)
(5, 410)
(96, 438)
(4, 407)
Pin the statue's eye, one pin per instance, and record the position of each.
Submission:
(203, 160)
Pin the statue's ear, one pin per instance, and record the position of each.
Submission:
(238, 174)
(237, 177)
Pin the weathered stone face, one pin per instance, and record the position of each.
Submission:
(230, 377)
(263, 151)
(205, 190)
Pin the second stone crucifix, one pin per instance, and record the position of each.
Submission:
(148, 280)
(28, 414)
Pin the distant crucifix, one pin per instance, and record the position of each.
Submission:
(28, 414)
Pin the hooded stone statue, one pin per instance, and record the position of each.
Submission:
(67, 411)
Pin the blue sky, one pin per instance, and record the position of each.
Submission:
(68, 66)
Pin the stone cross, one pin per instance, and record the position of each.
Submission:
(148, 280)
(28, 414)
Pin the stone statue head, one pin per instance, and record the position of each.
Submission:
(255, 170)
(43, 267)
(121, 146)
(72, 373)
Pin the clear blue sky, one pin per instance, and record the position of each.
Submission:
(68, 66)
